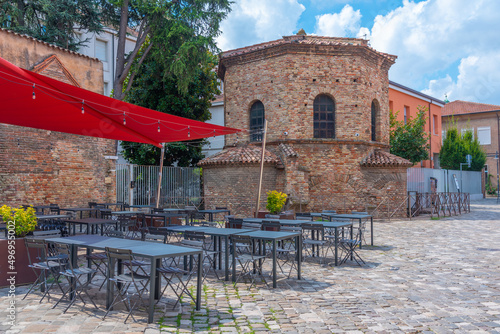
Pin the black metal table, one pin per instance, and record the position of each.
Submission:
(91, 223)
(81, 210)
(151, 250)
(358, 217)
(211, 213)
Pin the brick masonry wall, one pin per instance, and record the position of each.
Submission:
(236, 186)
(287, 86)
(327, 172)
(41, 167)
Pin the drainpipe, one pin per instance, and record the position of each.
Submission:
(431, 159)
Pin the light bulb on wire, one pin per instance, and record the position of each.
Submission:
(158, 126)
(124, 120)
(34, 96)
(189, 133)
(83, 110)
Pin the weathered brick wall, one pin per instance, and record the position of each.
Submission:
(41, 167)
(288, 84)
(236, 187)
(326, 173)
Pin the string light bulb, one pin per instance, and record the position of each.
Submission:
(189, 133)
(124, 120)
(34, 96)
(214, 133)
(83, 110)
(158, 126)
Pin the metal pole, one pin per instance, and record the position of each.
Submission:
(261, 168)
(159, 175)
(498, 179)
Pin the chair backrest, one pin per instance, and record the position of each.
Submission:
(114, 234)
(125, 255)
(329, 211)
(359, 212)
(61, 253)
(255, 226)
(46, 234)
(270, 226)
(38, 247)
(92, 204)
(272, 216)
(304, 218)
(310, 230)
(158, 210)
(241, 239)
(155, 237)
(54, 208)
(291, 229)
(221, 208)
(303, 214)
(234, 222)
(194, 235)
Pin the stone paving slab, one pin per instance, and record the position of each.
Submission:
(423, 276)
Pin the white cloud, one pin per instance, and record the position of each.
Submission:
(477, 81)
(343, 24)
(437, 35)
(257, 21)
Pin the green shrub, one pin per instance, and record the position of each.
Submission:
(24, 219)
(275, 201)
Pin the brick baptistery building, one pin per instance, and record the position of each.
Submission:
(326, 104)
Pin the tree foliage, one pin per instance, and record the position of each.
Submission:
(54, 22)
(151, 89)
(455, 148)
(180, 32)
(410, 141)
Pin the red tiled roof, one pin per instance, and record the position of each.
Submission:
(248, 154)
(288, 150)
(218, 98)
(47, 44)
(463, 107)
(380, 158)
(308, 40)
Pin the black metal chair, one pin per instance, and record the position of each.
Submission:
(46, 269)
(77, 283)
(313, 240)
(126, 281)
(245, 257)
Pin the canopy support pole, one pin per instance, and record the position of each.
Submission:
(159, 175)
(261, 168)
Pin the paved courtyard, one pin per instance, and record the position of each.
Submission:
(423, 276)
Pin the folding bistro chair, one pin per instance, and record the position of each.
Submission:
(313, 240)
(349, 245)
(126, 281)
(46, 269)
(77, 284)
(250, 263)
(286, 252)
(198, 240)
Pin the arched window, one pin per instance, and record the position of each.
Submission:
(256, 121)
(374, 120)
(324, 117)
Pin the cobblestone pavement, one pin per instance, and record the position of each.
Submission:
(423, 276)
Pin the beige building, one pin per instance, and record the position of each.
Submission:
(484, 121)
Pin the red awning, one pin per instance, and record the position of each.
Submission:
(36, 101)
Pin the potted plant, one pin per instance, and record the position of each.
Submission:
(275, 201)
(19, 223)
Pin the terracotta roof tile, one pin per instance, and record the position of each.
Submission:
(463, 107)
(248, 154)
(288, 150)
(309, 40)
(380, 158)
(47, 44)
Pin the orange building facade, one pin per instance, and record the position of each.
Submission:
(406, 102)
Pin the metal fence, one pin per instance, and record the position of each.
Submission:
(427, 180)
(137, 185)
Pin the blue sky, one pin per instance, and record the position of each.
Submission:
(444, 47)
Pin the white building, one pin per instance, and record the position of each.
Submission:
(103, 46)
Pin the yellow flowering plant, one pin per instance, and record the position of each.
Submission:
(275, 201)
(24, 219)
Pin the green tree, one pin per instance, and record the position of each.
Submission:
(180, 32)
(410, 140)
(455, 148)
(151, 89)
(452, 151)
(54, 22)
